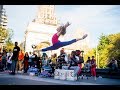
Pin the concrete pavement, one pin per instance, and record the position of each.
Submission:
(20, 79)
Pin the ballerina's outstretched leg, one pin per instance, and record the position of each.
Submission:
(61, 44)
(56, 43)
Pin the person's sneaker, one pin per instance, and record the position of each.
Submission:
(82, 77)
(95, 78)
(100, 77)
(16, 71)
(91, 76)
(20, 72)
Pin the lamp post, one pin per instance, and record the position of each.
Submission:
(97, 56)
(98, 60)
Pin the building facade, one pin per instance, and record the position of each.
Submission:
(3, 24)
(3, 17)
(42, 28)
(1, 8)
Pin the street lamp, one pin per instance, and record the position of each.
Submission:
(97, 56)
(98, 60)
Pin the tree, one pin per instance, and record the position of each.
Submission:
(103, 50)
(108, 47)
(90, 53)
(6, 38)
(3, 34)
(8, 41)
(114, 51)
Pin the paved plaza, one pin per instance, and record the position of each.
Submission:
(20, 79)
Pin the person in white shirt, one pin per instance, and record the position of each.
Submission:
(9, 61)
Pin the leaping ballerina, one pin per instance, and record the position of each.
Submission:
(61, 30)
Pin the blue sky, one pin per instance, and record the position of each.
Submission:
(95, 19)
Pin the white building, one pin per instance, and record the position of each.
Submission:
(42, 28)
(3, 25)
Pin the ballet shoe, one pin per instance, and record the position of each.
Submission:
(85, 36)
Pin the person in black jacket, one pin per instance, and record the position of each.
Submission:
(14, 58)
(73, 64)
(34, 60)
(61, 61)
(39, 63)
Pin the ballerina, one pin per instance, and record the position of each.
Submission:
(61, 30)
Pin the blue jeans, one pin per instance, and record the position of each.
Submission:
(59, 44)
(13, 66)
(9, 66)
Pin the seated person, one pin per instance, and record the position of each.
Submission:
(87, 65)
(73, 64)
(61, 61)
